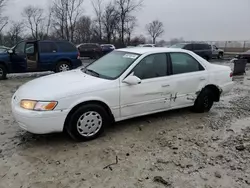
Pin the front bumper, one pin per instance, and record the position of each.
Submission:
(39, 122)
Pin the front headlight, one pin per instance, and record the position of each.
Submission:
(38, 105)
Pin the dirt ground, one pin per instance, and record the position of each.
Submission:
(178, 149)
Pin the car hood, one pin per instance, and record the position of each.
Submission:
(60, 85)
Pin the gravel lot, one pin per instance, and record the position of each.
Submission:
(172, 149)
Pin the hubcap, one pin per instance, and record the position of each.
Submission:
(206, 102)
(89, 123)
(1, 72)
(64, 67)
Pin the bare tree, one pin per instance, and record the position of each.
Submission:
(155, 29)
(97, 5)
(83, 31)
(48, 25)
(125, 9)
(65, 14)
(15, 32)
(3, 19)
(130, 25)
(34, 20)
(110, 21)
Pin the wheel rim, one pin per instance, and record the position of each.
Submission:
(89, 124)
(206, 102)
(1, 72)
(64, 67)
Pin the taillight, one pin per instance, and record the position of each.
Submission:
(78, 55)
(231, 74)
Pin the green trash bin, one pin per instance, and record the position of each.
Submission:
(240, 66)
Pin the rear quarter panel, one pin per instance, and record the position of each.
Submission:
(219, 75)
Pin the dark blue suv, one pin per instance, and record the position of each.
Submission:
(33, 56)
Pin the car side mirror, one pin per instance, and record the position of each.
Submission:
(132, 80)
(11, 51)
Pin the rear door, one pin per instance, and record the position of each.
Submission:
(188, 77)
(18, 58)
(47, 55)
(198, 49)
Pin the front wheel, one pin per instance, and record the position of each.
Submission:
(87, 122)
(204, 101)
(3, 72)
(63, 66)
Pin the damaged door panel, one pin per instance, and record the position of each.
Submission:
(146, 97)
(185, 87)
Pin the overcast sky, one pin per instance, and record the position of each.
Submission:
(190, 19)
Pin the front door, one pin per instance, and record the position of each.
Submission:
(188, 78)
(152, 94)
(18, 58)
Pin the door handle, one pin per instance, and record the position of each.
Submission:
(202, 78)
(165, 85)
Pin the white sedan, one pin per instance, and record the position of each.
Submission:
(124, 84)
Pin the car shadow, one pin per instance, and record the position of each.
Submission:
(25, 139)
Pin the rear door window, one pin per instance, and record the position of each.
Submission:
(66, 47)
(48, 47)
(184, 63)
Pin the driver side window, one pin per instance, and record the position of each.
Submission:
(20, 47)
(152, 66)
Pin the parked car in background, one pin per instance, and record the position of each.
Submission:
(244, 55)
(147, 45)
(217, 53)
(31, 56)
(202, 49)
(106, 48)
(123, 84)
(91, 50)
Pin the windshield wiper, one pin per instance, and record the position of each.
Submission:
(93, 72)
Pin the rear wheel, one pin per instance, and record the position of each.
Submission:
(204, 101)
(87, 122)
(3, 72)
(63, 66)
(220, 55)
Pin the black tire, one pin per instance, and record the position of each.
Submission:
(220, 55)
(204, 101)
(62, 64)
(73, 129)
(3, 72)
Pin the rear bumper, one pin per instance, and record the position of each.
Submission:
(226, 88)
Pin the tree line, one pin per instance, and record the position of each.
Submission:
(114, 22)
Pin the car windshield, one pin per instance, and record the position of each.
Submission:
(112, 65)
(180, 45)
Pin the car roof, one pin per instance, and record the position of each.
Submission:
(144, 50)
